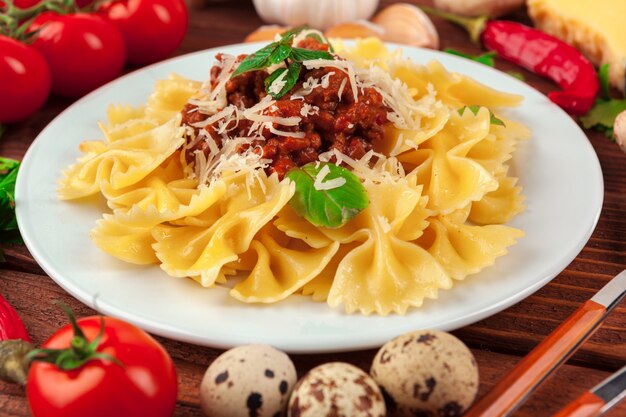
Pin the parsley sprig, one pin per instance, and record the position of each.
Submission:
(278, 52)
(602, 115)
(8, 223)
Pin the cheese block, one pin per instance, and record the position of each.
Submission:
(597, 28)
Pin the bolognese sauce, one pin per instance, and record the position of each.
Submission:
(324, 101)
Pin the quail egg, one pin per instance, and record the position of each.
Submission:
(429, 373)
(336, 389)
(248, 381)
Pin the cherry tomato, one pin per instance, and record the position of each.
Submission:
(84, 51)
(22, 4)
(152, 29)
(144, 384)
(24, 80)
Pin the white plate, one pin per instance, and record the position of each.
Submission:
(558, 170)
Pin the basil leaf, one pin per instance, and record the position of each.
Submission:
(269, 80)
(603, 78)
(293, 72)
(290, 34)
(280, 53)
(329, 208)
(301, 54)
(485, 59)
(256, 61)
(474, 109)
(9, 233)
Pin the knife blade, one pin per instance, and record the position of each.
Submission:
(552, 352)
(599, 399)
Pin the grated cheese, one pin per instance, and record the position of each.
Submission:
(319, 183)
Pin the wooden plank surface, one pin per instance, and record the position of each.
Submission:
(498, 342)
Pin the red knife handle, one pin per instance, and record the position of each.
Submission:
(531, 371)
(587, 405)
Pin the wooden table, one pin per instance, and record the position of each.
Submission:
(497, 342)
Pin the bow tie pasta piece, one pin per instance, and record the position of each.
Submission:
(202, 252)
(464, 249)
(455, 90)
(499, 206)
(165, 188)
(127, 234)
(170, 96)
(118, 114)
(280, 269)
(319, 287)
(386, 274)
(123, 162)
(451, 179)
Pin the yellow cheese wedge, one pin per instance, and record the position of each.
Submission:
(597, 28)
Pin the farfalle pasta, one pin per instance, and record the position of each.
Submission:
(357, 177)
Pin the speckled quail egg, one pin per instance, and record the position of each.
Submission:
(426, 373)
(336, 389)
(248, 381)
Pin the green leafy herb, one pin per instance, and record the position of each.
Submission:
(485, 59)
(256, 61)
(276, 53)
(474, 109)
(603, 78)
(300, 54)
(329, 208)
(602, 115)
(9, 233)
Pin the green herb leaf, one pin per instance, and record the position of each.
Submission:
(280, 53)
(329, 208)
(485, 59)
(9, 233)
(474, 109)
(602, 116)
(293, 72)
(603, 78)
(269, 80)
(256, 61)
(301, 54)
(292, 33)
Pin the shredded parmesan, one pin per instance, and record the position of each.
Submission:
(341, 65)
(319, 183)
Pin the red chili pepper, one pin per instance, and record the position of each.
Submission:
(549, 57)
(11, 326)
(539, 52)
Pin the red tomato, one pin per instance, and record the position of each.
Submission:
(84, 51)
(22, 4)
(152, 29)
(24, 80)
(145, 385)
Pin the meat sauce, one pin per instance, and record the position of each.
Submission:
(329, 121)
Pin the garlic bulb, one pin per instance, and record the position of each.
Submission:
(491, 8)
(320, 14)
(407, 24)
(619, 130)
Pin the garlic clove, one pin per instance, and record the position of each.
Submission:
(473, 8)
(619, 130)
(407, 24)
(265, 33)
(353, 30)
